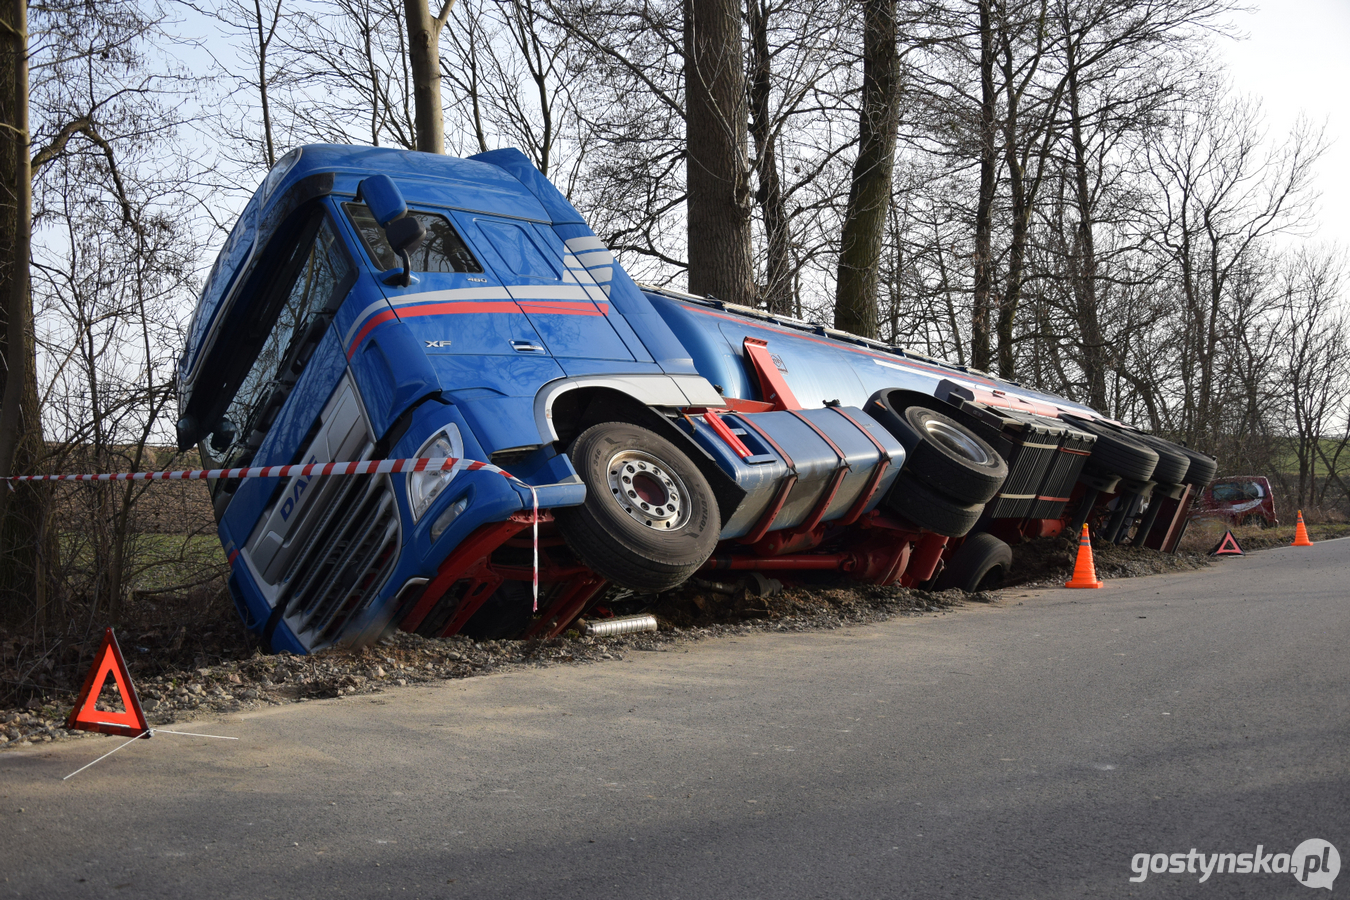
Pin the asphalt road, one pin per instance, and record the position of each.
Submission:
(1028, 749)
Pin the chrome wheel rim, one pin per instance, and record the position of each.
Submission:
(956, 440)
(647, 490)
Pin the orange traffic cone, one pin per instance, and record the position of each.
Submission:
(1084, 573)
(1301, 533)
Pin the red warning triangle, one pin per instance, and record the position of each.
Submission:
(1228, 546)
(86, 717)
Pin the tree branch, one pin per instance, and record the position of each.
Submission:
(57, 144)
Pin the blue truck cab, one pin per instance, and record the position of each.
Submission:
(383, 304)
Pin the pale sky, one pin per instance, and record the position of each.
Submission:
(1296, 58)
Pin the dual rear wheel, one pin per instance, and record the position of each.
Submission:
(950, 473)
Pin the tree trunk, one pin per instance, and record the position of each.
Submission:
(717, 169)
(869, 196)
(1022, 132)
(424, 35)
(980, 350)
(1084, 251)
(264, 37)
(22, 582)
(1012, 294)
(776, 294)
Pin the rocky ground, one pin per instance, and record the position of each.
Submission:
(209, 665)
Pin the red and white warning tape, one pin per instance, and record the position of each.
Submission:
(364, 467)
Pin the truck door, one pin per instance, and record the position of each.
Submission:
(568, 311)
(458, 310)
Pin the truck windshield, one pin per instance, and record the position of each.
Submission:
(441, 250)
(309, 287)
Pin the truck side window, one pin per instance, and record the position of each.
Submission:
(309, 284)
(442, 250)
(517, 249)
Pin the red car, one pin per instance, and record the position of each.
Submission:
(1240, 499)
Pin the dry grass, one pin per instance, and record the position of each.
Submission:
(1204, 534)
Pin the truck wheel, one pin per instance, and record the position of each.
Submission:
(979, 564)
(650, 519)
(506, 614)
(945, 455)
(1202, 470)
(921, 505)
(1115, 454)
(1173, 463)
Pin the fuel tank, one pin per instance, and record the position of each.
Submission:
(797, 466)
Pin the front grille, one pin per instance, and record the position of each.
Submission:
(326, 545)
(346, 560)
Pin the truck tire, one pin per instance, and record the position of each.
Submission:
(650, 519)
(506, 614)
(1202, 470)
(944, 454)
(1173, 463)
(920, 504)
(1114, 453)
(979, 564)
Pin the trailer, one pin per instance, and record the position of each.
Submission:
(377, 304)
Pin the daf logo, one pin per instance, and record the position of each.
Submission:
(297, 489)
(435, 344)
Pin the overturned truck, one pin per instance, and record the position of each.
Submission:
(383, 304)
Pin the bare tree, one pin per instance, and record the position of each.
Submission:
(870, 191)
(1222, 192)
(981, 351)
(777, 291)
(630, 55)
(351, 76)
(20, 429)
(717, 173)
(109, 331)
(75, 72)
(257, 25)
(1030, 124)
(518, 78)
(1316, 356)
(1124, 64)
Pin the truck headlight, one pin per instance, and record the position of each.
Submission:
(424, 487)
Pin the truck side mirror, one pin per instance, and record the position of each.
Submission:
(222, 436)
(403, 231)
(187, 433)
(383, 197)
(405, 234)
